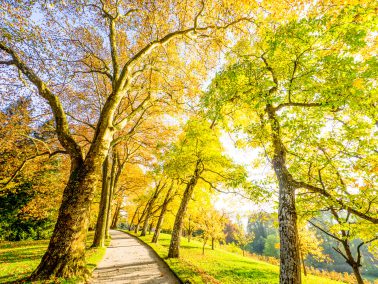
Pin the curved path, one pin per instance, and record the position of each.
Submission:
(128, 260)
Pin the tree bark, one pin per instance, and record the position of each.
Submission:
(212, 243)
(174, 246)
(65, 254)
(352, 262)
(100, 232)
(290, 267)
(112, 184)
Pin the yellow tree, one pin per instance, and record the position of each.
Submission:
(310, 244)
(67, 47)
(212, 224)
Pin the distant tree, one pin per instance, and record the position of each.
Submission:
(243, 238)
(261, 224)
(310, 244)
(272, 246)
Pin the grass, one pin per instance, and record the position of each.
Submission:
(19, 259)
(220, 266)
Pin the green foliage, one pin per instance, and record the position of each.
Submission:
(199, 147)
(15, 225)
(271, 247)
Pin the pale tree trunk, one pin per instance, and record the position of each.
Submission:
(174, 246)
(290, 268)
(100, 232)
(164, 207)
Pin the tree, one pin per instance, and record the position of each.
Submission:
(282, 75)
(310, 244)
(197, 157)
(97, 53)
(167, 199)
(272, 245)
(344, 232)
(243, 238)
(261, 225)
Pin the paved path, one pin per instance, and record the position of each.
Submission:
(129, 261)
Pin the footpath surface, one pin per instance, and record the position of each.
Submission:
(127, 260)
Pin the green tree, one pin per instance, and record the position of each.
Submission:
(197, 158)
(271, 247)
(280, 88)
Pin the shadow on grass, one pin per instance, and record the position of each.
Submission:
(27, 254)
(21, 278)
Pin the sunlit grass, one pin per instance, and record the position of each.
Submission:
(19, 259)
(220, 266)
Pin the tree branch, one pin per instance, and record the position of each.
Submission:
(64, 135)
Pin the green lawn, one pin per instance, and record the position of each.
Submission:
(220, 266)
(19, 259)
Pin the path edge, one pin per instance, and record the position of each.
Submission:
(155, 253)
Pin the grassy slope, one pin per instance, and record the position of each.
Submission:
(220, 266)
(19, 259)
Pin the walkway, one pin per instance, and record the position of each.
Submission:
(127, 260)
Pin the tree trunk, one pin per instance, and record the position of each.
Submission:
(141, 217)
(65, 254)
(357, 274)
(116, 215)
(133, 218)
(212, 243)
(351, 261)
(203, 246)
(304, 265)
(151, 203)
(150, 228)
(164, 207)
(174, 246)
(112, 184)
(147, 217)
(290, 269)
(100, 232)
